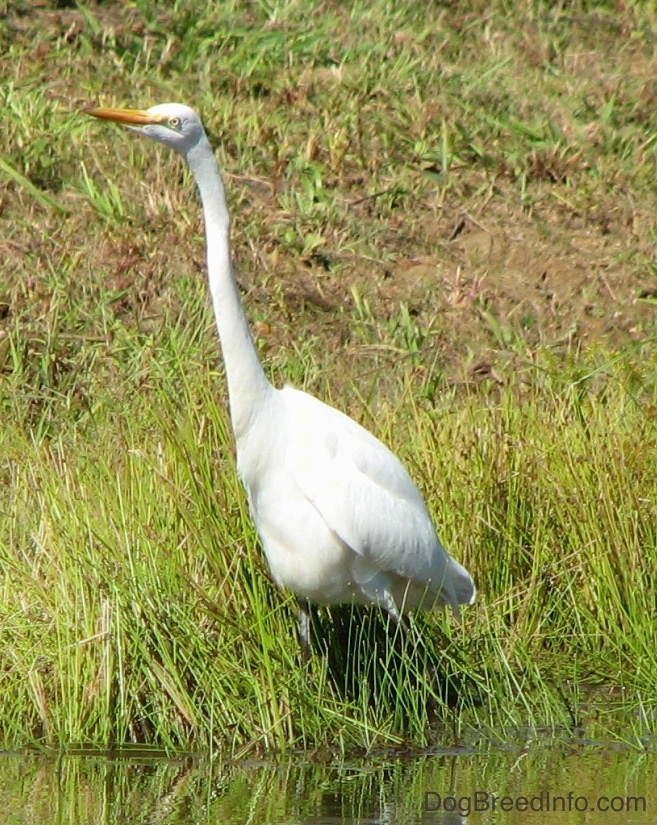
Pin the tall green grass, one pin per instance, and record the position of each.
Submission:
(136, 607)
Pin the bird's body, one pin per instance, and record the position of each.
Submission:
(339, 518)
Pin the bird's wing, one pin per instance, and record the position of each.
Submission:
(362, 491)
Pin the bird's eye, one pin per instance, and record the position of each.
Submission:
(175, 122)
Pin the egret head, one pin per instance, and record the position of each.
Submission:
(172, 124)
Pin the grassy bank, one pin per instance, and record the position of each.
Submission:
(136, 605)
(447, 230)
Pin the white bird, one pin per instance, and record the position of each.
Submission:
(338, 516)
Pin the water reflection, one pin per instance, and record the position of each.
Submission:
(591, 784)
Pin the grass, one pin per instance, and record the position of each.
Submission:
(448, 234)
(136, 606)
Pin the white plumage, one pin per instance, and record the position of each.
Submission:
(339, 518)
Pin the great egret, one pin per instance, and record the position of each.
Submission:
(339, 518)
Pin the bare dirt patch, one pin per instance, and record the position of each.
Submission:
(483, 263)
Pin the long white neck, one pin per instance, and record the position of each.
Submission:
(247, 384)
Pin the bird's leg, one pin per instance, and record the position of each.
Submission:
(304, 628)
(405, 632)
(390, 607)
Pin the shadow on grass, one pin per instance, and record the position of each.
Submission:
(407, 669)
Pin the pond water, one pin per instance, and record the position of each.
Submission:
(544, 782)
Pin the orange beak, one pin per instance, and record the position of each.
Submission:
(131, 117)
